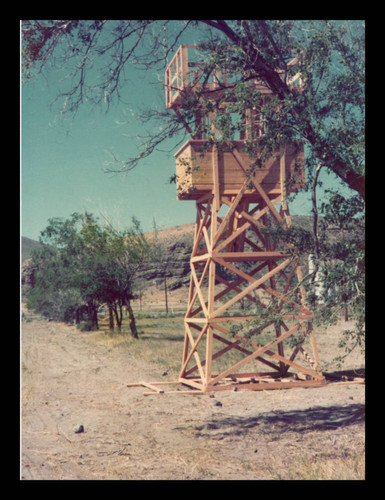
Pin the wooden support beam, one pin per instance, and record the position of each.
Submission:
(257, 186)
(199, 234)
(191, 382)
(247, 290)
(258, 352)
(249, 256)
(197, 288)
(216, 190)
(265, 385)
(227, 217)
(232, 236)
(231, 287)
(211, 293)
(194, 345)
(235, 345)
(206, 236)
(196, 356)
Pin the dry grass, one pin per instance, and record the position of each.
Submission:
(324, 468)
(161, 340)
(298, 434)
(311, 457)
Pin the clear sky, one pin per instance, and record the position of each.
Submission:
(63, 168)
(63, 164)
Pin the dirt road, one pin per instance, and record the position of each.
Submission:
(70, 380)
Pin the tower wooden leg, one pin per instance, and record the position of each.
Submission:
(244, 310)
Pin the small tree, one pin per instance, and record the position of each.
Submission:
(64, 287)
(343, 266)
(127, 251)
(83, 265)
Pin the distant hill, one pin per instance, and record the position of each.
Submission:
(181, 235)
(177, 242)
(27, 247)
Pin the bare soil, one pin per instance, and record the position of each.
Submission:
(69, 379)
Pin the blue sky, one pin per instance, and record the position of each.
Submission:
(63, 163)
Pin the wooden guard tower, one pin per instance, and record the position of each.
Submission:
(238, 274)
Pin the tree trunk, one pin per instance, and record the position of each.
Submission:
(165, 293)
(133, 329)
(315, 215)
(95, 323)
(93, 315)
(335, 163)
(118, 315)
(77, 316)
(111, 317)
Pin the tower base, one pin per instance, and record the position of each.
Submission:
(246, 308)
(240, 383)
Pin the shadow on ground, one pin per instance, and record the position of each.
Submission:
(312, 419)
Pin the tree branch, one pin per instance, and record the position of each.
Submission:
(315, 213)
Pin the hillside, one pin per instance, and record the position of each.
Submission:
(27, 247)
(177, 243)
(173, 267)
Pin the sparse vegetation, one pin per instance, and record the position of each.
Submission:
(324, 468)
(71, 379)
(160, 339)
(81, 265)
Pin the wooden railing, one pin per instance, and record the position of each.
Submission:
(182, 74)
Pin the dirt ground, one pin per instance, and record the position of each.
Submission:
(71, 380)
